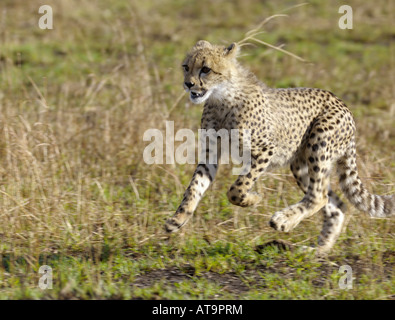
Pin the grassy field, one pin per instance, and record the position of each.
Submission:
(76, 195)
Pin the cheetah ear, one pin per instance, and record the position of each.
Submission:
(232, 50)
(202, 44)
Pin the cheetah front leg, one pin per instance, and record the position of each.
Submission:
(201, 180)
(239, 193)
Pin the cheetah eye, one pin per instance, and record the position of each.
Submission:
(205, 70)
(186, 68)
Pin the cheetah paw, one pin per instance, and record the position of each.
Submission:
(248, 200)
(173, 224)
(281, 222)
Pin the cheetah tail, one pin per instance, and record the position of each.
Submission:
(350, 183)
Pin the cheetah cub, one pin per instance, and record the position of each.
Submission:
(308, 129)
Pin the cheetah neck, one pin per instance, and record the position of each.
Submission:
(241, 82)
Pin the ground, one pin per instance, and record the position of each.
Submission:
(76, 195)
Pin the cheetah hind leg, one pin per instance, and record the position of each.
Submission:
(333, 223)
(287, 219)
(314, 183)
(332, 212)
(312, 165)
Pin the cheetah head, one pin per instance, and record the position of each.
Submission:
(207, 70)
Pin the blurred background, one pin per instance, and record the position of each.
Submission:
(74, 190)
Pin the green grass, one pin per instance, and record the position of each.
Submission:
(76, 195)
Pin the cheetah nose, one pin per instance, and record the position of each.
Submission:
(189, 84)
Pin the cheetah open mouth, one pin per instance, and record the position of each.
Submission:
(197, 95)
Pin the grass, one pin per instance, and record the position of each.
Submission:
(76, 195)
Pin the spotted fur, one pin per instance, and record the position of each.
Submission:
(308, 129)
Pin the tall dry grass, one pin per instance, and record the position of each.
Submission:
(70, 148)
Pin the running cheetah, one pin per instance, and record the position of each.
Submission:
(308, 129)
